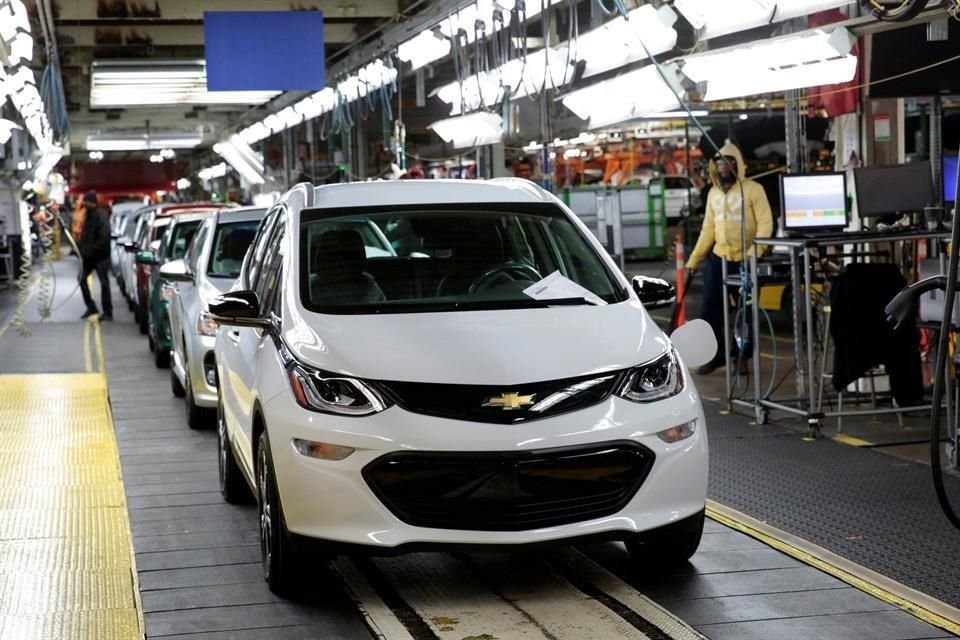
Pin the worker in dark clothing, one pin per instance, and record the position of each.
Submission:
(94, 245)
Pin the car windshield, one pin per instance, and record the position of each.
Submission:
(229, 246)
(182, 233)
(423, 259)
(158, 228)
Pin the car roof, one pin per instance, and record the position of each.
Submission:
(242, 214)
(164, 210)
(405, 192)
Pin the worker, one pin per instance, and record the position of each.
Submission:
(732, 199)
(94, 245)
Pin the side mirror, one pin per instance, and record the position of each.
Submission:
(239, 308)
(695, 342)
(146, 257)
(654, 293)
(176, 271)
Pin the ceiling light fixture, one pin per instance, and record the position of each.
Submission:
(210, 173)
(471, 130)
(127, 83)
(808, 59)
(242, 158)
(143, 142)
(635, 94)
(616, 43)
(713, 18)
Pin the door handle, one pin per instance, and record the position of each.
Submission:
(234, 336)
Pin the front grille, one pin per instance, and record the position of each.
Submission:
(472, 402)
(509, 491)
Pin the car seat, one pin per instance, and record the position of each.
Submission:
(232, 250)
(338, 271)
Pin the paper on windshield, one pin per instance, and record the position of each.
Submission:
(556, 285)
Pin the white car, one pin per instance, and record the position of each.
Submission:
(209, 268)
(501, 384)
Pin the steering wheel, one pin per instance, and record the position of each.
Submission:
(513, 271)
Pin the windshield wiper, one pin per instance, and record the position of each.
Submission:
(532, 303)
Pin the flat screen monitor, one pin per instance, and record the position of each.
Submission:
(813, 202)
(950, 178)
(900, 188)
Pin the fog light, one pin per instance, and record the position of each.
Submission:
(321, 450)
(678, 433)
(211, 376)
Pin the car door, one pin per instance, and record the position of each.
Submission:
(242, 344)
(183, 309)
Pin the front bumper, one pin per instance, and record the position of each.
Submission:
(333, 501)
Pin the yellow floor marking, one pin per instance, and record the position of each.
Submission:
(87, 357)
(852, 441)
(66, 561)
(924, 607)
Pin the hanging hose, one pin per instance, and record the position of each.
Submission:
(905, 10)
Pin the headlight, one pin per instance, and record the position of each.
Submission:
(655, 380)
(206, 326)
(317, 391)
(168, 292)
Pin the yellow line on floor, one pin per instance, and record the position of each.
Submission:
(924, 607)
(66, 564)
(851, 441)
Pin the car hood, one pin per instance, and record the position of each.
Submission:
(478, 347)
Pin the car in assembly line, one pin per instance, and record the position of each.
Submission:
(173, 246)
(499, 382)
(209, 268)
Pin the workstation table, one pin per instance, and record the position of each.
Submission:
(808, 403)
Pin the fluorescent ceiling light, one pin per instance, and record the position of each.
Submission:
(714, 18)
(803, 60)
(632, 95)
(242, 158)
(183, 184)
(424, 48)
(6, 130)
(142, 142)
(216, 171)
(472, 130)
(13, 18)
(617, 43)
(515, 79)
(131, 84)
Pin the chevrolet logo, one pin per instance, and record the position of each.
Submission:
(509, 401)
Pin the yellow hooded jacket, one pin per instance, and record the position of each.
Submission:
(721, 224)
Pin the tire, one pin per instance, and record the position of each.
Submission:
(197, 417)
(283, 568)
(233, 486)
(668, 546)
(175, 387)
(161, 357)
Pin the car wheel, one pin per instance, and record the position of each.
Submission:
(197, 417)
(161, 357)
(282, 566)
(668, 546)
(175, 387)
(233, 486)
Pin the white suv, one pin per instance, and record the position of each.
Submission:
(493, 380)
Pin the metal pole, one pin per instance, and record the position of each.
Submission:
(755, 317)
(726, 333)
(797, 320)
(813, 420)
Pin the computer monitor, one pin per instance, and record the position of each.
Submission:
(813, 202)
(950, 178)
(900, 188)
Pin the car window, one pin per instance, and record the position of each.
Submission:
(448, 259)
(269, 276)
(196, 247)
(158, 228)
(180, 237)
(254, 258)
(230, 244)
